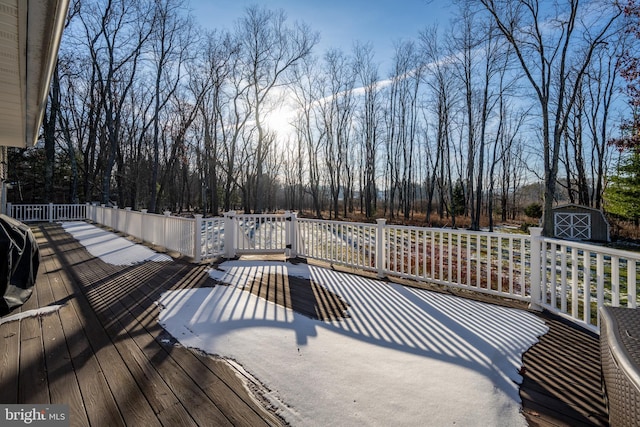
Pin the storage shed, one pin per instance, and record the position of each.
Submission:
(576, 222)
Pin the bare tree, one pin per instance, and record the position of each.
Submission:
(484, 61)
(466, 39)
(49, 123)
(601, 88)
(402, 125)
(367, 73)
(220, 52)
(117, 34)
(235, 117)
(81, 118)
(438, 78)
(336, 109)
(309, 135)
(269, 49)
(171, 40)
(503, 150)
(554, 55)
(576, 183)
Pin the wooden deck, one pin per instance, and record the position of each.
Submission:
(561, 379)
(105, 355)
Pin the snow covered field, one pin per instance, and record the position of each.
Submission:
(403, 357)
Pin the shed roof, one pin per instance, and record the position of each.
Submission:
(577, 206)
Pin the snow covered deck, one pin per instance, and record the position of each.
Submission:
(104, 353)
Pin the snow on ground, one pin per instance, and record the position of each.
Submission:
(109, 247)
(404, 356)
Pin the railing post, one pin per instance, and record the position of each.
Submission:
(380, 247)
(142, 221)
(230, 234)
(291, 234)
(127, 220)
(197, 241)
(114, 217)
(165, 228)
(10, 210)
(536, 268)
(51, 219)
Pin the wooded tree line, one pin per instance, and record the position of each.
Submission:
(148, 110)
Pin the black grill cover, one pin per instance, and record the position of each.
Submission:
(19, 261)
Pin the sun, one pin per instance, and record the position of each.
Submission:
(281, 114)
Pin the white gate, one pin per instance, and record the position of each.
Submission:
(261, 233)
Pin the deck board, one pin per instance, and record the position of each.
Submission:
(561, 382)
(105, 354)
(32, 386)
(63, 383)
(150, 351)
(9, 361)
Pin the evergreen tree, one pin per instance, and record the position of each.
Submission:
(458, 202)
(622, 196)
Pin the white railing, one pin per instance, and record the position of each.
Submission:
(493, 263)
(484, 262)
(572, 279)
(345, 243)
(171, 232)
(569, 278)
(579, 278)
(47, 212)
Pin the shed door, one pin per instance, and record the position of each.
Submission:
(576, 226)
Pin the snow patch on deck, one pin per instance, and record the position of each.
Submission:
(405, 356)
(109, 247)
(31, 313)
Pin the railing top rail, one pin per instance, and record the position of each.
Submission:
(178, 218)
(430, 229)
(331, 221)
(591, 247)
(262, 215)
(461, 231)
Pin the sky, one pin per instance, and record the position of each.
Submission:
(341, 22)
(403, 356)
